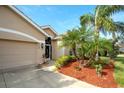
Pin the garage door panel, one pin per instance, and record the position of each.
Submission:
(6, 52)
(13, 53)
(27, 49)
(17, 58)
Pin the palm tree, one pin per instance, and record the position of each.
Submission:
(102, 21)
(86, 45)
(104, 44)
(85, 37)
(70, 40)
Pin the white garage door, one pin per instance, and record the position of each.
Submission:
(15, 53)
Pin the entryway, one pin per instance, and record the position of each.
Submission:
(48, 48)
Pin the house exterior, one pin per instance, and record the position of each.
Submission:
(121, 46)
(23, 42)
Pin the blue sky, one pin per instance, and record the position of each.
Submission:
(60, 17)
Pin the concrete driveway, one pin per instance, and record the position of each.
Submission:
(39, 78)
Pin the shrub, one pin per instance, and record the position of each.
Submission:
(99, 65)
(100, 61)
(77, 68)
(113, 53)
(99, 69)
(62, 61)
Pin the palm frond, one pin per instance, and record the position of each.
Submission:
(120, 26)
(87, 19)
(108, 10)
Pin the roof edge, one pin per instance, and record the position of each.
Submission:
(48, 26)
(27, 19)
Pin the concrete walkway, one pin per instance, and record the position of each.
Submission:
(40, 78)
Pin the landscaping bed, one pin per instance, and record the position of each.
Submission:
(89, 75)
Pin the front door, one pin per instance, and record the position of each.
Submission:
(48, 48)
(48, 51)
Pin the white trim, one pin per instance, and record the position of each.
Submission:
(27, 19)
(48, 26)
(57, 37)
(20, 33)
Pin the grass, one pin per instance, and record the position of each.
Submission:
(119, 69)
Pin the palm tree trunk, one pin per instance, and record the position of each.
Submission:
(97, 43)
(97, 35)
(74, 52)
(113, 47)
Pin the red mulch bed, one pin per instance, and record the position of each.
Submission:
(89, 75)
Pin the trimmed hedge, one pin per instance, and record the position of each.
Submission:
(64, 60)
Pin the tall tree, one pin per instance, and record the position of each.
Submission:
(101, 20)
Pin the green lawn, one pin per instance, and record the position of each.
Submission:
(119, 69)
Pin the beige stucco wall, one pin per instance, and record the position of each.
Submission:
(11, 20)
(49, 32)
(54, 49)
(13, 36)
(58, 51)
(66, 51)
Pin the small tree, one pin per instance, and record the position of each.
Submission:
(70, 40)
(84, 43)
